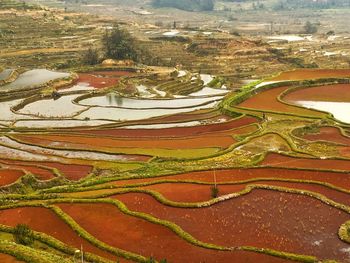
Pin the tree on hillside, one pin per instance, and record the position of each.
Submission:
(119, 44)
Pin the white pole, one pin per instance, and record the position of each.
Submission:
(82, 253)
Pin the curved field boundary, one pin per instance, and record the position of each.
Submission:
(29, 254)
(205, 204)
(53, 84)
(344, 162)
(11, 77)
(250, 90)
(57, 245)
(171, 226)
(196, 182)
(344, 232)
(292, 89)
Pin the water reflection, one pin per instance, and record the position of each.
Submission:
(114, 99)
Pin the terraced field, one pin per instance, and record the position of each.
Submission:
(129, 165)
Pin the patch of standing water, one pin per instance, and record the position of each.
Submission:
(206, 91)
(144, 91)
(117, 114)
(23, 155)
(289, 38)
(182, 73)
(160, 92)
(114, 100)
(206, 78)
(86, 155)
(265, 83)
(171, 33)
(340, 110)
(35, 77)
(7, 115)
(81, 86)
(50, 108)
(59, 123)
(172, 125)
(5, 74)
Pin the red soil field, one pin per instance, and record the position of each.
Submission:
(96, 81)
(46, 221)
(286, 222)
(337, 93)
(180, 192)
(267, 100)
(208, 115)
(40, 173)
(108, 224)
(70, 171)
(329, 134)
(9, 259)
(341, 180)
(274, 159)
(9, 176)
(173, 132)
(100, 143)
(304, 74)
(112, 73)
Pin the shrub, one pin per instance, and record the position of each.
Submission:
(214, 191)
(90, 56)
(23, 235)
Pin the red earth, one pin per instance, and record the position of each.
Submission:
(9, 259)
(173, 132)
(39, 172)
(46, 221)
(108, 224)
(278, 160)
(70, 171)
(286, 222)
(9, 176)
(336, 93)
(329, 134)
(338, 179)
(267, 101)
(96, 81)
(304, 74)
(181, 192)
